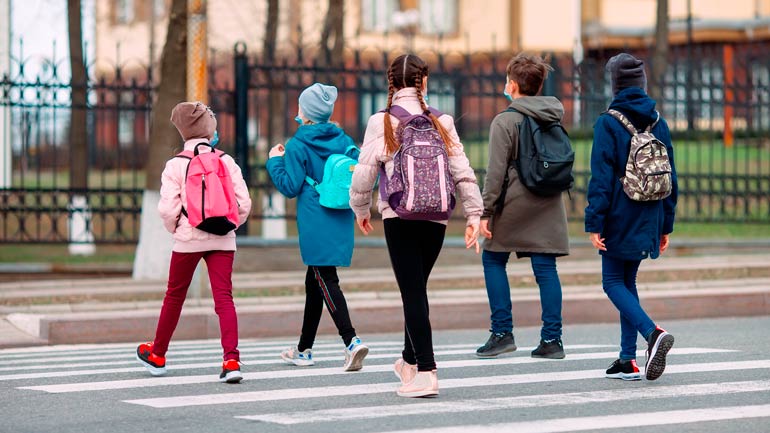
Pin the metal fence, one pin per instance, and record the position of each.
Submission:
(716, 101)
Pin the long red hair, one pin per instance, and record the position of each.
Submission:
(408, 70)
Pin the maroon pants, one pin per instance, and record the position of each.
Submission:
(220, 267)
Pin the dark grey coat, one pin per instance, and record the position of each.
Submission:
(528, 223)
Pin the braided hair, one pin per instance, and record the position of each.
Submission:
(408, 70)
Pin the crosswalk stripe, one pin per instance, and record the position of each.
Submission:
(376, 388)
(634, 420)
(294, 372)
(505, 403)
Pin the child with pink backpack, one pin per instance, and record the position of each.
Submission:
(203, 199)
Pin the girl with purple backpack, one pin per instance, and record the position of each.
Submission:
(414, 240)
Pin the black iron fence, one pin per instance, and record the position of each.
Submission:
(716, 99)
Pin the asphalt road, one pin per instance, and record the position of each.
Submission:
(717, 380)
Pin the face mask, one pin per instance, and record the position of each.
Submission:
(215, 139)
(298, 120)
(505, 92)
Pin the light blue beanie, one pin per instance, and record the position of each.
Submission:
(317, 102)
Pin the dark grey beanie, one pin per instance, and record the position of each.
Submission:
(626, 71)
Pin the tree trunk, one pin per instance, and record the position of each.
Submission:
(332, 39)
(154, 249)
(79, 84)
(164, 138)
(660, 53)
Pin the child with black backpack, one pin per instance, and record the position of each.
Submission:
(530, 223)
(299, 169)
(421, 164)
(631, 205)
(203, 228)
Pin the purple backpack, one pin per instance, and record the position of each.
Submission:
(421, 187)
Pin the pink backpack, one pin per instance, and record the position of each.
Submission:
(211, 205)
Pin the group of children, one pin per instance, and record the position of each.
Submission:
(510, 217)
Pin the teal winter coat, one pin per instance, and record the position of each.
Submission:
(325, 235)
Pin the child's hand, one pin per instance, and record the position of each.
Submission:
(277, 150)
(472, 236)
(597, 241)
(485, 229)
(663, 243)
(364, 225)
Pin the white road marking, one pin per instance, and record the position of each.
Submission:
(593, 423)
(376, 388)
(505, 403)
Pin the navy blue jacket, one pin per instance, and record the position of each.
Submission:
(631, 229)
(325, 235)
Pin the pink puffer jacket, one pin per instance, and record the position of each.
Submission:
(188, 239)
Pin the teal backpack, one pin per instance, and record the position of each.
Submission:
(334, 189)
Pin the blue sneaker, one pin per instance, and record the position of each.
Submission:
(293, 356)
(355, 354)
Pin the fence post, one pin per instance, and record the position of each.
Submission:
(241, 117)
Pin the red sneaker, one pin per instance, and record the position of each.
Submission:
(231, 372)
(155, 364)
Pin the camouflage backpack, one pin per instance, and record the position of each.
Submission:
(648, 168)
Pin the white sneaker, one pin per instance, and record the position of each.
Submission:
(293, 356)
(355, 354)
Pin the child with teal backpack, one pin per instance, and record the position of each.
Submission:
(312, 167)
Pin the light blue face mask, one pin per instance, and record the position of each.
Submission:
(298, 120)
(505, 92)
(215, 139)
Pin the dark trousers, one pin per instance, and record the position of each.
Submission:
(220, 269)
(414, 247)
(322, 286)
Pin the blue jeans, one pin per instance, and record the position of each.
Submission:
(619, 282)
(499, 292)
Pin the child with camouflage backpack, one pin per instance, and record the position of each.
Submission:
(626, 221)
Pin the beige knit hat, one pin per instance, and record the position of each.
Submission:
(194, 120)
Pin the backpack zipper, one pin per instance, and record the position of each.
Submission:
(203, 196)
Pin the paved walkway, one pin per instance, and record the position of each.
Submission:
(96, 310)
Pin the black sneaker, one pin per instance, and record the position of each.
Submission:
(551, 349)
(497, 344)
(657, 347)
(626, 370)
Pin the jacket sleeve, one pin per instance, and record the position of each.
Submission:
(365, 173)
(464, 177)
(602, 176)
(669, 203)
(170, 204)
(501, 144)
(241, 190)
(288, 171)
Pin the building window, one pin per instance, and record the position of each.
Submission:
(124, 11)
(377, 15)
(760, 96)
(438, 17)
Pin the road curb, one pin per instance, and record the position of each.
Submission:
(381, 315)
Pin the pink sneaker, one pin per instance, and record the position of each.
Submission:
(424, 384)
(405, 372)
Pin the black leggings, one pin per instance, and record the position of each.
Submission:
(322, 285)
(414, 247)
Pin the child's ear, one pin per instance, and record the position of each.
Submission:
(514, 87)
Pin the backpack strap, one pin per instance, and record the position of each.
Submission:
(622, 119)
(652, 125)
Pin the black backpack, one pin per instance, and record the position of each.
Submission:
(545, 157)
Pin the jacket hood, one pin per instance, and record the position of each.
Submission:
(540, 108)
(635, 104)
(322, 139)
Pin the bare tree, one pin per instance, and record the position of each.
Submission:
(332, 37)
(660, 52)
(276, 104)
(154, 249)
(79, 84)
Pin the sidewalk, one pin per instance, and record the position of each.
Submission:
(96, 310)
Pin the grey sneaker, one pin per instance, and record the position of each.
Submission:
(497, 344)
(293, 356)
(355, 354)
